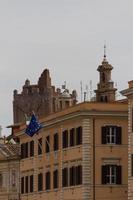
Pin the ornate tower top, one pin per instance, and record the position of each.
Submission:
(105, 88)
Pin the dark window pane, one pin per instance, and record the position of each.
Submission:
(65, 139)
(131, 164)
(55, 179)
(22, 185)
(119, 175)
(40, 182)
(47, 144)
(65, 177)
(26, 184)
(32, 148)
(31, 183)
(72, 176)
(40, 146)
(48, 181)
(78, 175)
(79, 135)
(104, 173)
(22, 151)
(118, 135)
(72, 137)
(103, 135)
(56, 142)
(26, 150)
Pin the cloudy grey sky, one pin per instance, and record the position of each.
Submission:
(66, 36)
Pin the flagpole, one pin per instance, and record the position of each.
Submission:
(34, 166)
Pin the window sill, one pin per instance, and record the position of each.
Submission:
(72, 187)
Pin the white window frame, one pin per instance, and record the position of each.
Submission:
(111, 135)
(112, 174)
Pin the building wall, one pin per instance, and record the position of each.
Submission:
(9, 183)
(91, 154)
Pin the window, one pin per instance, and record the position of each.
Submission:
(47, 144)
(31, 183)
(79, 135)
(32, 148)
(72, 176)
(48, 181)
(26, 150)
(55, 179)
(40, 146)
(111, 135)
(55, 141)
(1, 180)
(22, 185)
(40, 182)
(78, 175)
(26, 184)
(72, 137)
(22, 151)
(65, 139)
(65, 177)
(131, 164)
(104, 99)
(111, 174)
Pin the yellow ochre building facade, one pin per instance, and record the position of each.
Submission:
(81, 152)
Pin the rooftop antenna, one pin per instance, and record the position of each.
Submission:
(87, 92)
(84, 96)
(90, 89)
(64, 85)
(81, 90)
(104, 50)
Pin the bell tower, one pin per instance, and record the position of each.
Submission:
(105, 88)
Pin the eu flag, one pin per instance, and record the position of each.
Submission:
(33, 127)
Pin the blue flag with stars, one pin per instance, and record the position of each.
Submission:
(33, 127)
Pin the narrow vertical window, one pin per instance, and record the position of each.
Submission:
(1, 180)
(26, 150)
(26, 184)
(65, 177)
(55, 179)
(65, 139)
(22, 185)
(72, 137)
(40, 182)
(78, 175)
(79, 135)
(31, 183)
(56, 142)
(22, 151)
(40, 146)
(131, 164)
(72, 176)
(48, 181)
(47, 144)
(31, 148)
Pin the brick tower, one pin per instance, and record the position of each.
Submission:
(41, 98)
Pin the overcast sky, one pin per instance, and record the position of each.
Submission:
(65, 36)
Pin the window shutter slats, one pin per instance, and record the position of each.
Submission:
(118, 175)
(104, 172)
(103, 135)
(118, 135)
